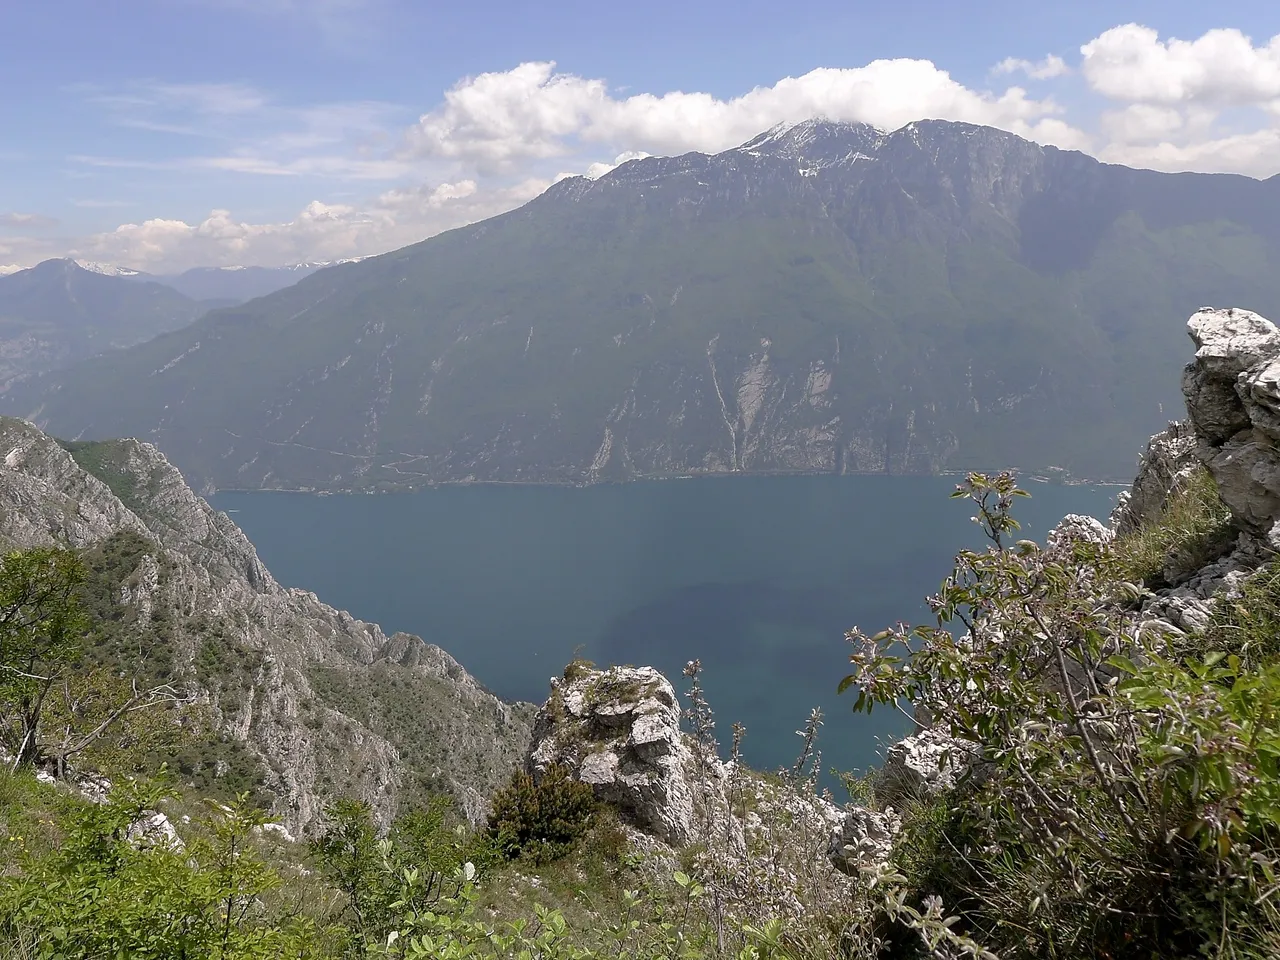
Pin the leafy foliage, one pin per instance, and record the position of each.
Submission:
(106, 891)
(1125, 803)
(41, 625)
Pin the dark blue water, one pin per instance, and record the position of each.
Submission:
(759, 577)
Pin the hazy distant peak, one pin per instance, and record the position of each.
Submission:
(65, 264)
(106, 269)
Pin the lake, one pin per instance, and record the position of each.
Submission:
(758, 577)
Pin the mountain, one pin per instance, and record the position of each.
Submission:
(312, 703)
(111, 270)
(826, 297)
(219, 286)
(237, 284)
(62, 311)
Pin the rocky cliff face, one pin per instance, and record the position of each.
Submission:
(310, 690)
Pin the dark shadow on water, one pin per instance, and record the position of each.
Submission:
(765, 649)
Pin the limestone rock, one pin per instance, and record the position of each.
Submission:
(1077, 528)
(923, 765)
(1247, 472)
(1189, 614)
(1232, 389)
(1167, 463)
(1229, 343)
(205, 573)
(153, 829)
(619, 730)
(863, 840)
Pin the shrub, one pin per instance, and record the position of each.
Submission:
(540, 820)
(1249, 624)
(1127, 804)
(103, 893)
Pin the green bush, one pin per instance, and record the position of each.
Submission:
(1128, 800)
(540, 820)
(1249, 624)
(102, 893)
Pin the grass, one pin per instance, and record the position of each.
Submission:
(101, 458)
(1248, 625)
(1194, 529)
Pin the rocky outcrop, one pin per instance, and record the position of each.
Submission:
(153, 829)
(1076, 528)
(1232, 389)
(863, 840)
(619, 730)
(205, 581)
(1168, 461)
(922, 766)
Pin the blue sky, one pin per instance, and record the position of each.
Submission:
(164, 134)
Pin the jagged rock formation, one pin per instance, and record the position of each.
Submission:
(1076, 528)
(922, 766)
(765, 839)
(619, 730)
(1232, 426)
(1166, 464)
(1233, 400)
(863, 840)
(304, 686)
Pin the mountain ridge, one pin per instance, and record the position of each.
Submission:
(60, 311)
(823, 298)
(326, 704)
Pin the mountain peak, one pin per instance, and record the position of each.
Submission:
(817, 140)
(106, 269)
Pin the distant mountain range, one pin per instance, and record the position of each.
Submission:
(227, 284)
(58, 312)
(826, 297)
(241, 283)
(63, 311)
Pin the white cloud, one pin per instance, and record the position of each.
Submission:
(1209, 104)
(1253, 154)
(532, 112)
(599, 169)
(320, 231)
(337, 167)
(29, 221)
(243, 130)
(1132, 64)
(1141, 123)
(1046, 69)
(497, 139)
(8, 268)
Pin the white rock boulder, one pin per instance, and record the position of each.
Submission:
(922, 766)
(619, 731)
(863, 840)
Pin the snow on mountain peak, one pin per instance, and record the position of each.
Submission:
(106, 269)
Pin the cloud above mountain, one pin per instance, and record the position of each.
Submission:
(534, 112)
(380, 179)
